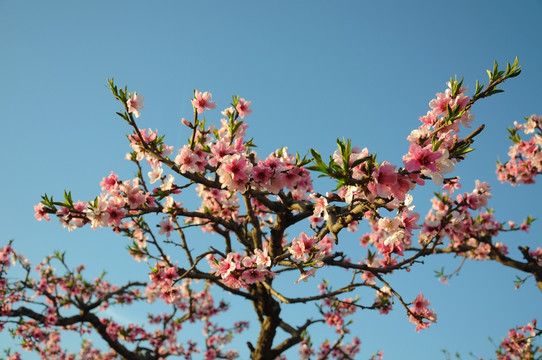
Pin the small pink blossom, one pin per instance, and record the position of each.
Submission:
(202, 101)
(155, 174)
(301, 247)
(243, 108)
(109, 183)
(166, 227)
(134, 104)
(305, 275)
(524, 227)
(451, 185)
(40, 212)
(133, 195)
(115, 211)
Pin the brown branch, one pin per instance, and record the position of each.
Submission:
(109, 295)
(530, 266)
(83, 317)
(184, 243)
(196, 274)
(346, 214)
(256, 233)
(306, 299)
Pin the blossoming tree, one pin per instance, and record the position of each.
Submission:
(252, 208)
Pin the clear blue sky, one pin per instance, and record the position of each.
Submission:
(314, 71)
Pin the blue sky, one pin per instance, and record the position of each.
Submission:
(314, 71)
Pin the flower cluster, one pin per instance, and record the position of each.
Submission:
(525, 161)
(308, 251)
(218, 337)
(328, 350)
(391, 236)
(223, 204)
(237, 271)
(420, 312)
(434, 146)
(335, 310)
(469, 234)
(57, 299)
(519, 345)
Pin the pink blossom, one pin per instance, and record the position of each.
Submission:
(419, 158)
(210, 354)
(202, 101)
(226, 266)
(409, 220)
(305, 275)
(532, 123)
(305, 350)
(115, 211)
(134, 104)
(385, 179)
(451, 185)
(537, 255)
(98, 215)
(187, 160)
(133, 194)
(261, 174)
(250, 276)
(440, 104)
(420, 304)
(301, 247)
(109, 183)
(420, 312)
(166, 227)
(40, 212)
(234, 172)
(478, 198)
(326, 245)
(444, 166)
(243, 108)
(219, 150)
(262, 258)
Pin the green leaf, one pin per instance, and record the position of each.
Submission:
(68, 199)
(455, 86)
(513, 135)
(495, 91)
(301, 162)
(47, 201)
(495, 69)
(436, 144)
(235, 99)
(316, 156)
(250, 144)
(462, 151)
(359, 161)
(479, 88)
(345, 146)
